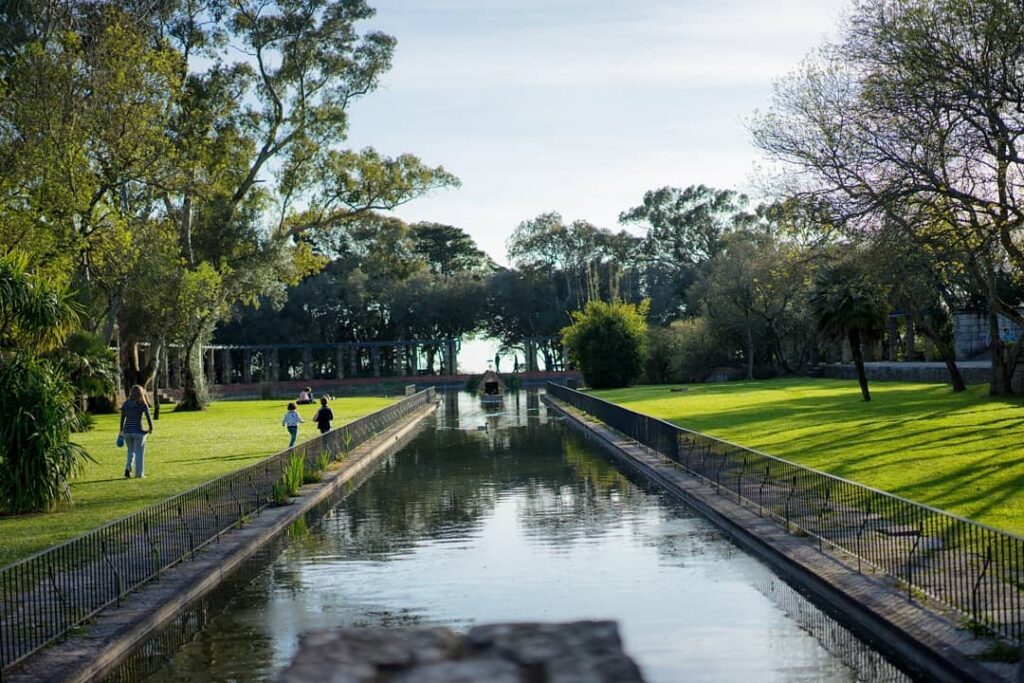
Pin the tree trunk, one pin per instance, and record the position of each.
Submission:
(132, 370)
(858, 360)
(193, 394)
(997, 385)
(750, 353)
(947, 354)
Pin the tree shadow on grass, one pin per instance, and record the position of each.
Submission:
(85, 482)
(951, 451)
(222, 458)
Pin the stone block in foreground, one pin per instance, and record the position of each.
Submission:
(576, 652)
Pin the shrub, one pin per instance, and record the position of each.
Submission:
(314, 473)
(699, 348)
(280, 494)
(294, 473)
(608, 342)
(37, 417)
(311, 475)
(323, 461)
(89, 364)
(662, 351)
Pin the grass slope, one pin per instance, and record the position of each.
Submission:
(186, 449)
(957, 452)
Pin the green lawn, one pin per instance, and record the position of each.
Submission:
(963, 453)
(186, 449)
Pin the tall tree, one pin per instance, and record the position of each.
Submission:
(912, 118)
(519, 305)
(684, 228)
(848, 305)
(287, 103)
(449, 250)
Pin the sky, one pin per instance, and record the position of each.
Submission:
(578, 106)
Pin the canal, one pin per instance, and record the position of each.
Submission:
(497, 514)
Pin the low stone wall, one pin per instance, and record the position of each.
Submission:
(906, 372)
(973, 372)
(971, 333)
(588, 651)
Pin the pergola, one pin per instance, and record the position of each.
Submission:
(254, 363)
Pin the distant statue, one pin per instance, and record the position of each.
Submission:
(497, 362)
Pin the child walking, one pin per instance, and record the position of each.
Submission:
(292, 420)
(323, 416)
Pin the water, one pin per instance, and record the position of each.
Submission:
(505, 515)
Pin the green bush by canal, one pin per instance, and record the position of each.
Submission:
(958, 452)
(186, 449)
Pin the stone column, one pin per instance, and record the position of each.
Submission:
(339, 362)
(144, 354)
(165, 367)
(270, 369)
(179, 368)
(375, 353)
(353, 360)
(307, 363)
(894, 335)
(847, 352)
(453, 355)
(910, 341)
(414, 359)
(565, 358)
(211, 366)
(225, 361)
(247, 366)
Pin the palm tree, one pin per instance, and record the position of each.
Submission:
(848, 305)
(37, 412)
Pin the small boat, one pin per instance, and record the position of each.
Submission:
(491, 388)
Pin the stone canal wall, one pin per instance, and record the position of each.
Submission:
(114, 634)
(928, 643)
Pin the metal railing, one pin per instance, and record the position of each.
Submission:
(972, 568)
(45, 596)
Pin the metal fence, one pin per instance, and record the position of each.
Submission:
(47, 595)
(967, 566)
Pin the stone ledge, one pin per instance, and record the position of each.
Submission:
(925, 641)
(117, 631)
(577, 652)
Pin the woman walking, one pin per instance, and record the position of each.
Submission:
(131, 430)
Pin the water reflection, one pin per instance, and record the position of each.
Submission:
(504, 515)
(833, 637)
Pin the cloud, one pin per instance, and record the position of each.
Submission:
(579, 45)
(578, 106)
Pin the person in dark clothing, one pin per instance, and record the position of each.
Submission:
(323, 416)
(131, 429)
